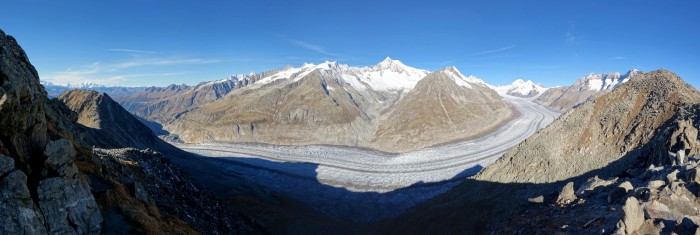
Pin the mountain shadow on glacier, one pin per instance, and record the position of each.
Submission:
(299, 181)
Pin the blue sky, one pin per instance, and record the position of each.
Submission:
(159, 42)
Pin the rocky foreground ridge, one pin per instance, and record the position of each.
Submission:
(57, 178)
(649, 120)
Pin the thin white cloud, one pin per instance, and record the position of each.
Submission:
(542, 67)
(571, 33)
(115, 74)
(491, 51)
(617, 58)
(132, 51)
(163, 61)
(312, 47)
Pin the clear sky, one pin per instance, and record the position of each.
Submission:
(159, 42)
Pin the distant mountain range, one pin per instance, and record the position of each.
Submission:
(372, 106)
(521, 88)
(54, 90)
(331, 103)
(584, 89)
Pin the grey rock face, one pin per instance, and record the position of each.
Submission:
(60, 155)
(18, 214)
(6, 164)
(66, 202)
(69, 207)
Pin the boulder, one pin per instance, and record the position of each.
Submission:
(686, 225)
(18, 214)
(618, 194)
(691, 175)
(627, 186)
(593, 183)
(69, 207)
(60, 156)
(633, 215)
(567, 195)
(538, 199)
(7, 164)
(656, 209)
(673, 176)
(655, 184)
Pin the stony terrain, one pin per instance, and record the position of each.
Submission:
(586, 88)
(165, 189)
(638, 124)
(653, 200)
(52, 181)
(336, 104)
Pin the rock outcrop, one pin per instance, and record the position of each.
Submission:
(41, 190)
(54, 181)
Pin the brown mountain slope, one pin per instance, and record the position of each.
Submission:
(630, 126)
(315, 109)
(105, 117)
(586, 88)
(324, 106)
(598, 133)
(437, 110)
(163, 105)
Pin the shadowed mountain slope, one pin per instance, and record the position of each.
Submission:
(635, 124)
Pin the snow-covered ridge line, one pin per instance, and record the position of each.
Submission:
(387, 75)
(601, 82)
(522, 88)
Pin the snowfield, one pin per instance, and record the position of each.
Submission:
(346, 182)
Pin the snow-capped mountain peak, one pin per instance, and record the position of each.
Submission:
(461, 80)
(601, 82)
(521, 88)
(387, 75)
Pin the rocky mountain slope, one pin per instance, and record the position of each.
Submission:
(637, 124)
(521, 88)
(105, 117)
(332, 103)
(443, 106)
(56, 179)
(163, 105)
(584, 89)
